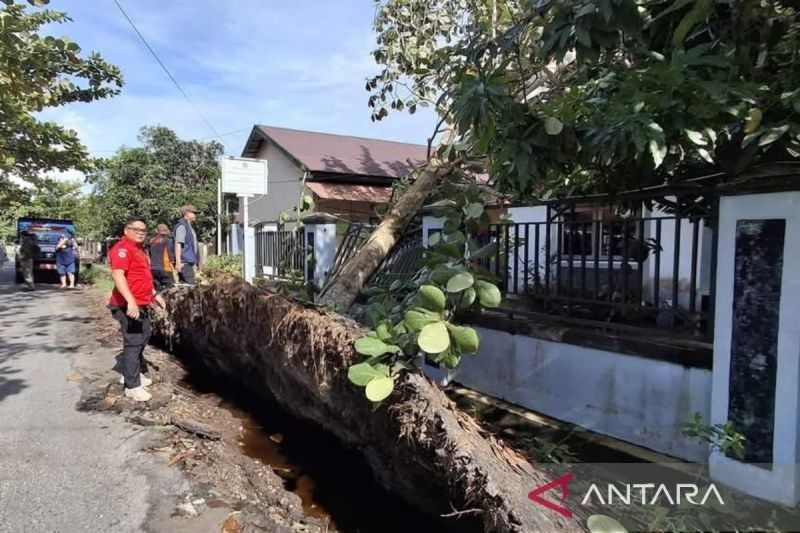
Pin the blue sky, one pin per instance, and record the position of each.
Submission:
(299, 64)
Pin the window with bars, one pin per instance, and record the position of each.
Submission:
(598, 231)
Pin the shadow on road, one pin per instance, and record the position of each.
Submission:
(10, 385)
(15, 305)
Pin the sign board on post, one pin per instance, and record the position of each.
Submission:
(244, 177)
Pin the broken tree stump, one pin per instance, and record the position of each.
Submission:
(417, 443)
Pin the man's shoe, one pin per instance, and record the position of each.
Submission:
(143, 380)
(138, 394)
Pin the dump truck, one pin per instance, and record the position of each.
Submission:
(46, 231)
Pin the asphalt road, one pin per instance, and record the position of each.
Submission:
(61, 469)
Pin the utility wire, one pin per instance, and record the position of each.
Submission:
(169, 74)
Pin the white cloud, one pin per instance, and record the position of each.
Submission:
(298, 64)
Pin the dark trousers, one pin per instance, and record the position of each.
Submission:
(135, 336)
(163, 280)
(186, 275)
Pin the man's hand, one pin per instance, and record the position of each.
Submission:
(133, 310)
(178, 265)
(160, 301)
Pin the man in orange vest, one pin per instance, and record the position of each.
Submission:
(162, 259)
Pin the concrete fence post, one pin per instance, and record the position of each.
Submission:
(756, 371)
(320, 234)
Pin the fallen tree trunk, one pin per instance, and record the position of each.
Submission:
(343, 291)
(418, 444)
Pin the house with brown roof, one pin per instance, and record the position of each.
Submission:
(347, 176)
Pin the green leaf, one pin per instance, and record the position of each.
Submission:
(553, 126)
(382, 332)
(772, 135)
(583, 37)
(417, 318)
(432, 298)
(379, 389)
(450, 360)
(753, 120)
(459, 282)
(456, 237)
(362, 373)
(699, 12)
(485, 252)
(373, 347)
(464, 338)
(399, 366)
(474, 210)
(679, 4)
(442, 273)
(488, 293)
(434, 239)
(599, 523)
(705, 154)
(451, 250)
(468, 298)
(658, 151)
(696, 137)
(434, 338)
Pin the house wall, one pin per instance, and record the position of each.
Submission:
(284, 185)
(352, 211)
(639, 400)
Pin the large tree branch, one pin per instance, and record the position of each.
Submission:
(343, 291)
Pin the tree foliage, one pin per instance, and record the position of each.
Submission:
(43, 197)
(155, 180)
(580, 95)
(418, 317)
(39, 72)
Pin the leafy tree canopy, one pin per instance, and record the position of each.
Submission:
(581, 95)
(155, 180)
(36, 73)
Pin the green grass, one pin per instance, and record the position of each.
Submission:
(99, 276)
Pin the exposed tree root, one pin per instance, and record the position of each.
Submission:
(418, 444)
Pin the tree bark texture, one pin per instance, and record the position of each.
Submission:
(343, 291)
(417, 443)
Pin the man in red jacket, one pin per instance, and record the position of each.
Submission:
(130, 303)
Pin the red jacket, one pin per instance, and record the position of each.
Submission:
(130, 257)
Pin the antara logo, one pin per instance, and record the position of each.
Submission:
(626, 494)
(637, 494)
(563, 482)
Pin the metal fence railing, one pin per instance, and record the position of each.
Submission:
(611, 263)
(280, 253)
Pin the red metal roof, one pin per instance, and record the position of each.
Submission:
(341, 154)
(374, 194)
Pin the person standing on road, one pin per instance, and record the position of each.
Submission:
(162, 259)
(65, 259)
(186, 256)
(28, 251)
(130, 303)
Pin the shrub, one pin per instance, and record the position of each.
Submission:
(216, 266)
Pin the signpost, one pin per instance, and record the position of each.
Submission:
(245, 178)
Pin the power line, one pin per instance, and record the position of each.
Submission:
(169, 74)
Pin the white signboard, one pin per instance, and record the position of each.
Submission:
(244, 177)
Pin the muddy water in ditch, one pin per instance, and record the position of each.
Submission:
(334, 483)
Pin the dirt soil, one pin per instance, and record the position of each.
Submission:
(194, 432)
